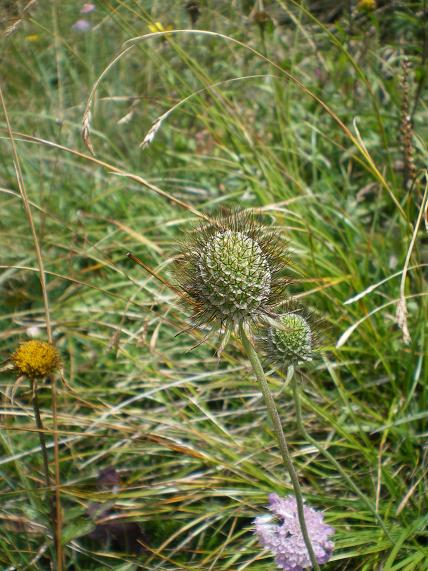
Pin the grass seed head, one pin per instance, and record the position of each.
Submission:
(231, 271)
(36, 359)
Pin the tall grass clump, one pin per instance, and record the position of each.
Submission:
(309, 118)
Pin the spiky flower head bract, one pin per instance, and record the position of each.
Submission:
(291, 338)
(36, 359)
(281, 534)
(231, 270)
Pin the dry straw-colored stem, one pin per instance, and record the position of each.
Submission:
(42, 276)
(119, 172)
(406, 128)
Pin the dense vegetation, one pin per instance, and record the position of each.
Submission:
(315, 115)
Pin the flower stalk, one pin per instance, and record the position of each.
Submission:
(44, 451)
(40, 428)
(282, 443)
(305, 434)
(34, 360)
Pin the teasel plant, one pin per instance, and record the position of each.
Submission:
(231, 271)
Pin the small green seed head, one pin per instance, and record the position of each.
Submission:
(292, 339)
(231, 271)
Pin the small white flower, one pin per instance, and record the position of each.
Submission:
(33, 331)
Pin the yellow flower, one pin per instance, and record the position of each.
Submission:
(32, 38)
(159, 27)
(366, 5)
(36, 359)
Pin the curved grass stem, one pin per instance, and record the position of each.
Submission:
(276, 421)
(305, 434)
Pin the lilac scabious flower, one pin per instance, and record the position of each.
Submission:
(284, 538)
(81, 26)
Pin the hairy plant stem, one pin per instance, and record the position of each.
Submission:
(39, 424)
(43, 448)
(274, 416)
(326, 453)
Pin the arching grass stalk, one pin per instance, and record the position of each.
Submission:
(301, 426)
(282, 443)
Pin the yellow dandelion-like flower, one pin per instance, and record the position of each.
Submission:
(366, 5)
(36, 359)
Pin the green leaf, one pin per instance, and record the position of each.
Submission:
(77, 529)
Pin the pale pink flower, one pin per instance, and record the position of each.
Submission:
(87, 8)
(283, 537)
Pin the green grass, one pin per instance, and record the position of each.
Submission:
(187, 432)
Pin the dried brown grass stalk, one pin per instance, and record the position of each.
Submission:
(56, 515)
(406, 128)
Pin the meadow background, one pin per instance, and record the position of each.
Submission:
(313, 113)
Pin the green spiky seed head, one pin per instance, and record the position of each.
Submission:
(230, 271)
(236, 274)
(291, 341)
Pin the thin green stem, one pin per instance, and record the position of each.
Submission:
(276, 421)
(330, 457)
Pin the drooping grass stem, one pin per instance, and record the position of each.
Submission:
(305, 434)
(276, 421)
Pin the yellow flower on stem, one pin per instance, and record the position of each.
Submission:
(36, 359)
(367, 5)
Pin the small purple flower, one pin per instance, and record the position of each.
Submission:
(81, 26)
(283, 537)
(87, 8)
